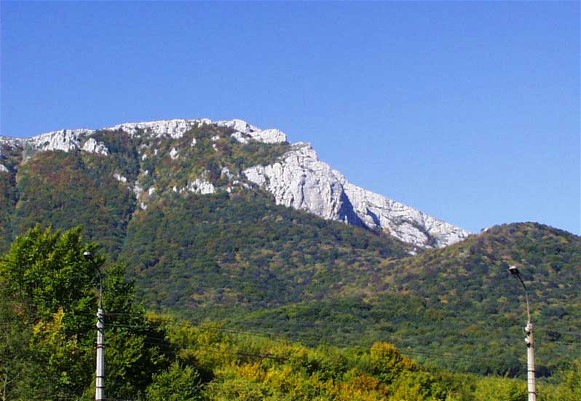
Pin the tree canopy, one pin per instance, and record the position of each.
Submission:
(48, 292)
(48, 298)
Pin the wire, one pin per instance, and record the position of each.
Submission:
(445, 356)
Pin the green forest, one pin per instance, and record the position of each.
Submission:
(228, 295)
(49, 293)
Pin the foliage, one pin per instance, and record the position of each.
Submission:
(178, 383)
(9, 158)
(569, 388)
(241, 249)
(17, 372)
(47, 311)
(57, 188)
(45, 270)
(249, 367)
(470, 285)
(7, 208)
(491, 389)
(236, 257)
(47, 352)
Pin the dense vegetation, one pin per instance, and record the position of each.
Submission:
(9, 158)
(47, 318)
(264, 268)
(236, 258)
(47, 350)
(240, 250)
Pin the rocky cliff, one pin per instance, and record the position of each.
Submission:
(297, 179)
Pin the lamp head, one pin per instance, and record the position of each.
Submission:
(513, 270)
(87, 255)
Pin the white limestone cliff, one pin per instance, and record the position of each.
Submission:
(92, 146)
(176, 129)
(65, 140)
(300, 180)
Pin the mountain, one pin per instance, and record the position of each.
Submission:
(294, 176)
(223, 221)
(457, 307)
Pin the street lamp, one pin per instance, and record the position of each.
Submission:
(100, 370)
(531, 384)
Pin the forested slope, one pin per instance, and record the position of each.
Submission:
(233, 255)
(47, 350)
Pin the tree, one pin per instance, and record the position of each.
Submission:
(15, 366)
(570, 388)
(178, 383)
(48, 293)
(386, 362)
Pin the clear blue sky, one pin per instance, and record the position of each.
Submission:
(469, 111)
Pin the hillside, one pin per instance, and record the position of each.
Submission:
(47, 348)
(196, 210)
(154, 159)
(459, 307)
(241, 250)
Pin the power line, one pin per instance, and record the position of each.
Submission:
(330, 326)
(314, 344)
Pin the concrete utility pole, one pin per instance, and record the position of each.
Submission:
(531, 380)
(100, 371)
(100, 376)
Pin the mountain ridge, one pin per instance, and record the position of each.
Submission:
(296, 179)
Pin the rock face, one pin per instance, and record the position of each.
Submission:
(298, 179)
(302, 181)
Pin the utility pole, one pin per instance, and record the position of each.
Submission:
(531, 385)
(531, 380)
(100, 370)
(100, 375)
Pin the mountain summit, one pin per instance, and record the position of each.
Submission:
(293, 174)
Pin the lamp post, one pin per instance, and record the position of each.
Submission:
(531, 382)
(100, 369)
